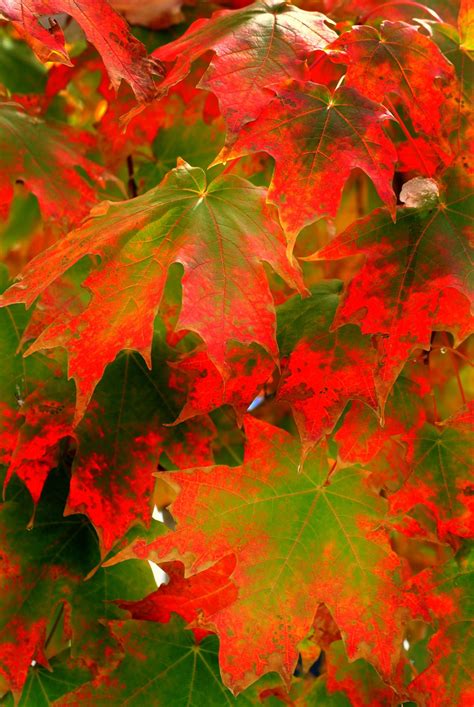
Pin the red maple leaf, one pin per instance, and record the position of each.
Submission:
(413, 273)
(215, 231)
(254, 47)
(398, 59)
(123, 55)
(194, 598)
(317, 137)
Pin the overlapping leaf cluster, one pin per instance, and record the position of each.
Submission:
(247, 362)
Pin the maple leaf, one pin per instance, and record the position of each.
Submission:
(398, 59)
(19, 379)
(195, 598)
(44, 422)
(46, 685)
(113, 483)
(358, 680)
(162, 665)
(447, 595)
(361, 436)
(95, 603)
(219, 232)
(123, 55)
(254, 47)
(403, 290)
(317, 137)
(270, 516)
(438, 477)
(250, 370)
(165, 307)
(322, 370)
(42, 564)
(34, 152)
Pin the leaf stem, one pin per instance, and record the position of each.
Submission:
(131, 184)
(330, 473)
(55, 625)
(455, 352)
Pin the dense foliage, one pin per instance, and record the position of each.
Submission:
(234, 346)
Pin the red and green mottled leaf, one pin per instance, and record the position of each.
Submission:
(44, 420)
(398, 59)
(447, 596)
(123, 55)
(271, 514)
(39, 155)
(220, 232)
(19, 379)
(362, 436)
(39, 568)
(322, 370)
(94, 605)
(250, 370)
(111, 482)
(254, 47)
(439, 477)
(120, 441)
(163, 665)
(119, 446)
(403, 290)
(358, 680)
(317, 137)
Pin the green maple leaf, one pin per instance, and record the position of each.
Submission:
(273, 514)
(46, 685)
(163, 665)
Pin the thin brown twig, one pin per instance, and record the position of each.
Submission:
(131, 184)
